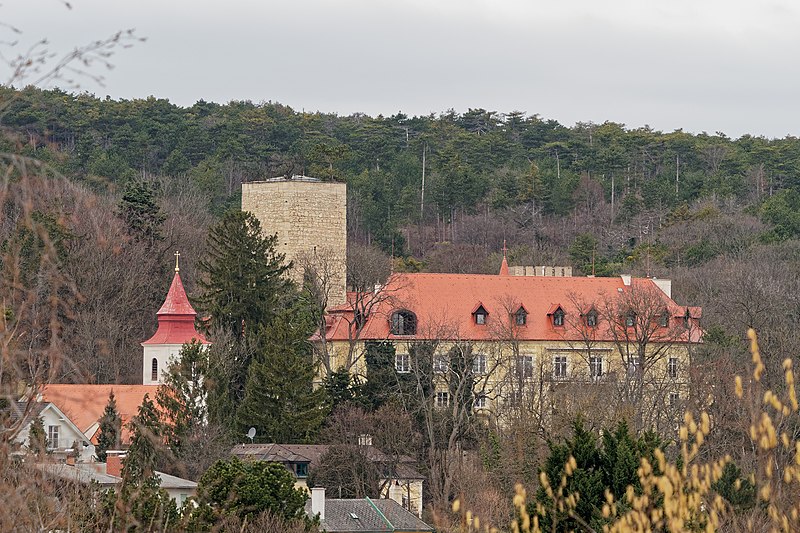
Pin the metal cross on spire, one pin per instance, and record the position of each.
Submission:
(505, 248)
(177, 256)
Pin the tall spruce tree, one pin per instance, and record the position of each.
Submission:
(243, 288)
(146, 438)
(280, 400)
(182, 397)
(147, 506)
(110, 429)
(242, 283)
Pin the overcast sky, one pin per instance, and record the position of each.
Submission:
(701, 65)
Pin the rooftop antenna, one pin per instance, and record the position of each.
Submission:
(251, 433)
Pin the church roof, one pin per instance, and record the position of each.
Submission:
(177, 303)
(176, 318)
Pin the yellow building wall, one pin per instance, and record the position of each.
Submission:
(502, 356)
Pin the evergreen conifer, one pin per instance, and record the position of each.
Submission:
(280, 400)
(110, 429)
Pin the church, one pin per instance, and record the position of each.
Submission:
(83, 404)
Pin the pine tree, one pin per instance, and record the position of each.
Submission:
(182, 398)
(110, 429)
(280, 400)
(37, 439)
(140, 212)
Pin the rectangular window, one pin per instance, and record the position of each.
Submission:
(663, 320)
(633, 365)
(480, 318)
(591, 319)
(514, 398)
(521, 317)
(525, 366)
(52, 436)
(558, 318)
(629, 320)
(480, 401)
(479, 364)
(402, 363)
(673, 399)
(301, 469)
(560, 366)
(672, 367)
(442, 399)
(441, 364)
(595, 366)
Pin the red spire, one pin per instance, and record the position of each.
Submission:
(177, 303)
(504, 264)
(176, 316)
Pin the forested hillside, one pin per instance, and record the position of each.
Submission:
(146, 177)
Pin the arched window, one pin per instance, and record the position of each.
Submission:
(154, 370)
(403, 322)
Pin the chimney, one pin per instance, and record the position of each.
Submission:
(114, 462)
(318, 502)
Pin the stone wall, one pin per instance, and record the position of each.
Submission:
(310, 219)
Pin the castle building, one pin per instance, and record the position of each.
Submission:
(309, 217)
(526, 336)
(176, 327)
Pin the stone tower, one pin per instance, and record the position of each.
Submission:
(310, 218)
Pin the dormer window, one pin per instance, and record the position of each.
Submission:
(663, 319)
(591, 319)
(630, 319)
(558, 317)
(403, 322)
(481, 315)
(521, 316)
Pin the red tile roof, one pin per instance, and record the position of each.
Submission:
(176, 318)
(444, 305)
(84, 404)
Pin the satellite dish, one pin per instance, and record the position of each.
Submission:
(251, 433)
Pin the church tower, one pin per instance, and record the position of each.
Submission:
(175, 328)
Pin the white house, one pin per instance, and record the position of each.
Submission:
(63, 437)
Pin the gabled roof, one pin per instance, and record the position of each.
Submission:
(311, 454)
(444, 304)
(269, 452)
(176, 318)
(84, 404)
(368, 516)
